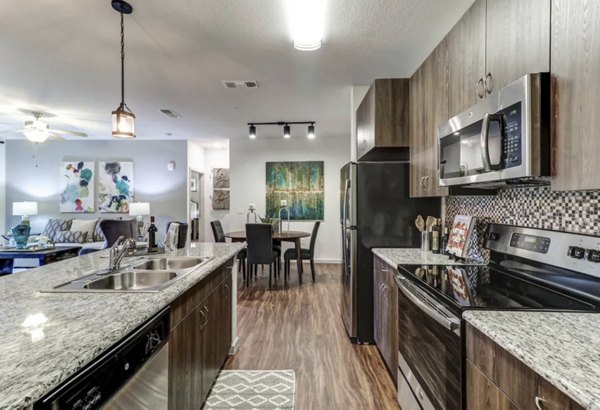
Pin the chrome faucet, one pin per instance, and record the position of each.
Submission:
(116, 254)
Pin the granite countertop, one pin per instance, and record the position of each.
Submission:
(564, 348)
(79, 326)
(412, 256)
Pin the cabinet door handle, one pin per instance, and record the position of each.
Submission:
(227, 291)
(539, 403)
(425, 181)
(489, 83)
(203, 325)
(480, 88)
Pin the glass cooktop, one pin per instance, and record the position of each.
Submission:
(484, 286)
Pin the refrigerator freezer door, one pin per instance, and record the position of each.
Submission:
(349, 306)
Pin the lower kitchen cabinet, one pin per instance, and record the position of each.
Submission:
(385, 299)
(200, 339)
(498, 380)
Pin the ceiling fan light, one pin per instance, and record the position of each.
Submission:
(37, 131)
(123, 123)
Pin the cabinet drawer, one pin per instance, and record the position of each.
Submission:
(519, 382)
(187, 302)
(483, 394)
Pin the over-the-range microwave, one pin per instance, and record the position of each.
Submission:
(503, 140)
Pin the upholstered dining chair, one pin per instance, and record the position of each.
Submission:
(113, 228)
(219, 235)
(260, 249)
(305, 254)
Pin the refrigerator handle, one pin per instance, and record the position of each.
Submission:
(344, 208)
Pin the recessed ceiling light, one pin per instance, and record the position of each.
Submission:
(307, 20)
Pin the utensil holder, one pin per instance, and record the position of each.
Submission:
(425, 241)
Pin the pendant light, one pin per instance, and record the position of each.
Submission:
(123, 120)
(311, 131)
(286, 131)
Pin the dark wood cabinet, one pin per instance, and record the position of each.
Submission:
(466, 59)
(495, 43)
(385, 300)
(428, 109)
(200, 339)
(498, 380)
(382, 119)
(576, 94)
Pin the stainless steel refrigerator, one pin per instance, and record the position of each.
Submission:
(376, 211)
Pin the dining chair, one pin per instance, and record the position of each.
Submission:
(219, 235)
(305, 254)
(260, 249)
(182, 234)
(113, 228)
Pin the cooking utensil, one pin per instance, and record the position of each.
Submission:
(420, 223)
(429, 223)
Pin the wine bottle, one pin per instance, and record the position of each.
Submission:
(435, 239)
(152, 235)
(444, 242)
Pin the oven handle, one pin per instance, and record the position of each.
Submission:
(450, 323)
(485, 139)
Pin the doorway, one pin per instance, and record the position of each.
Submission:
(196, 206)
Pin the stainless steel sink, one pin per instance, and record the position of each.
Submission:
(181, 262)
(146, 275)
(131, 280)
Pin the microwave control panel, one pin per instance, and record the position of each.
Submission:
(511, 138)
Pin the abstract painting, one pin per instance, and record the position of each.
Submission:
(301, 184)
(77, 186)
(220, 199)
(115, 186)
(220, 178)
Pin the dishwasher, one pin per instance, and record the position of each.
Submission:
(132, 374)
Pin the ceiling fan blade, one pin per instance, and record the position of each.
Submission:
(11, 131)
(74, 133)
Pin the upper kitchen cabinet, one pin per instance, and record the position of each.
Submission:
(576, 93)
(382, 128)
(518, 40)
(428, 108)
(495, 43)
(466, 59)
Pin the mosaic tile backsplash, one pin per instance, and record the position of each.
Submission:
(573, 211)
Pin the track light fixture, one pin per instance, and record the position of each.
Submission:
(286, 128)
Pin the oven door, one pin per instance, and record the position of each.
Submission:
(430, 350)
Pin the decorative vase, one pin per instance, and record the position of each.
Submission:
(21, 235)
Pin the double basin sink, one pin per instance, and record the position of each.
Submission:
(146, 275)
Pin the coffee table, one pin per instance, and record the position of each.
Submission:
(33, 259)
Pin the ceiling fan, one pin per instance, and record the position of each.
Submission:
(39, 131)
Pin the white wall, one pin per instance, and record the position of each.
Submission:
(248, 158)
(2, 189)
(356, 97)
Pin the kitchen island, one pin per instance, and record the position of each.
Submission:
(563, 348)
(47, 337)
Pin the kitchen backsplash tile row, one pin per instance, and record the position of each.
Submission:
(539, 207)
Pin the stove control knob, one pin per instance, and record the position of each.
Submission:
(593, 255)
(493, 236)
(576, 252)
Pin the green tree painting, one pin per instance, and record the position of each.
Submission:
(301, 184)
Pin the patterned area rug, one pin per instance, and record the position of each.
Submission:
(253, 389)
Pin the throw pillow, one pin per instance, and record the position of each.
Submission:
(56, 225)
(85, 225)
(71, 237)
(98, 234)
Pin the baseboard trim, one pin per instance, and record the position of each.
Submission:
(335, 261)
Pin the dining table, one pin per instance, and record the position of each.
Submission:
(285, 236)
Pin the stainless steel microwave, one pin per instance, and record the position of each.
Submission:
(503, 140)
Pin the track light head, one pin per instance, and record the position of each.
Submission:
(311, 132)
(286, 131)
(252, 132)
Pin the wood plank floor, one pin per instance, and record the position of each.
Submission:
(300, 328)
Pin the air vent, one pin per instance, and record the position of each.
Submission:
(231, 84)
(170, 113)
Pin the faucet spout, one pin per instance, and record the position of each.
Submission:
(117, 253)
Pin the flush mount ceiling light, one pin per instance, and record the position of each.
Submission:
(286, 128)
(123, 120)
(307, 20)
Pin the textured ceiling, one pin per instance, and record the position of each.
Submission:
(62, 57)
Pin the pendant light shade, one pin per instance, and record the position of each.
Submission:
(123, 120)
(311, 132)
(252, 132)
(286, 131)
